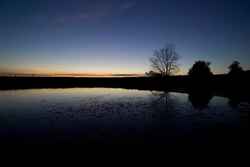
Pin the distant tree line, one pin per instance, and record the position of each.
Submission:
(164, 63)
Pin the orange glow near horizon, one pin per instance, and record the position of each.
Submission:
(78, 72)
(45, 72)
(71, 71)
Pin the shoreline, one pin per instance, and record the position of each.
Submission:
(218, 85)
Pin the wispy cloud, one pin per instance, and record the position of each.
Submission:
(73, 18)
(97, 12)
(128, 5)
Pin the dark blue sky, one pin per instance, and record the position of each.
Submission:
(118, 36)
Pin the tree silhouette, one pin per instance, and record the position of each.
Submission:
(235, 69)
(200, 69)
(164, 61)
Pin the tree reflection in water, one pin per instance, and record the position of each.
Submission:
(164, 104)
(161, 96)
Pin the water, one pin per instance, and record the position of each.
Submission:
(108, 115)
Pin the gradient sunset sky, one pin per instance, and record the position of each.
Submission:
(119, 36)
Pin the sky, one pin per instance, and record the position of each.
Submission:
(119, 36)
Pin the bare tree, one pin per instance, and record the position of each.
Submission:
(164, 61)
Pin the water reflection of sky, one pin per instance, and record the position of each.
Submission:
(100, 111)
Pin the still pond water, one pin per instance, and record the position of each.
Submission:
(101, 114)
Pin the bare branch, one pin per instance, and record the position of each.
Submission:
(164, 61)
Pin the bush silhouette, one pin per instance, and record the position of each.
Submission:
(235, 69)
(153, 74)
(200, 69)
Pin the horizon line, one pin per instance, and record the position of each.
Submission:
(72, 74)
